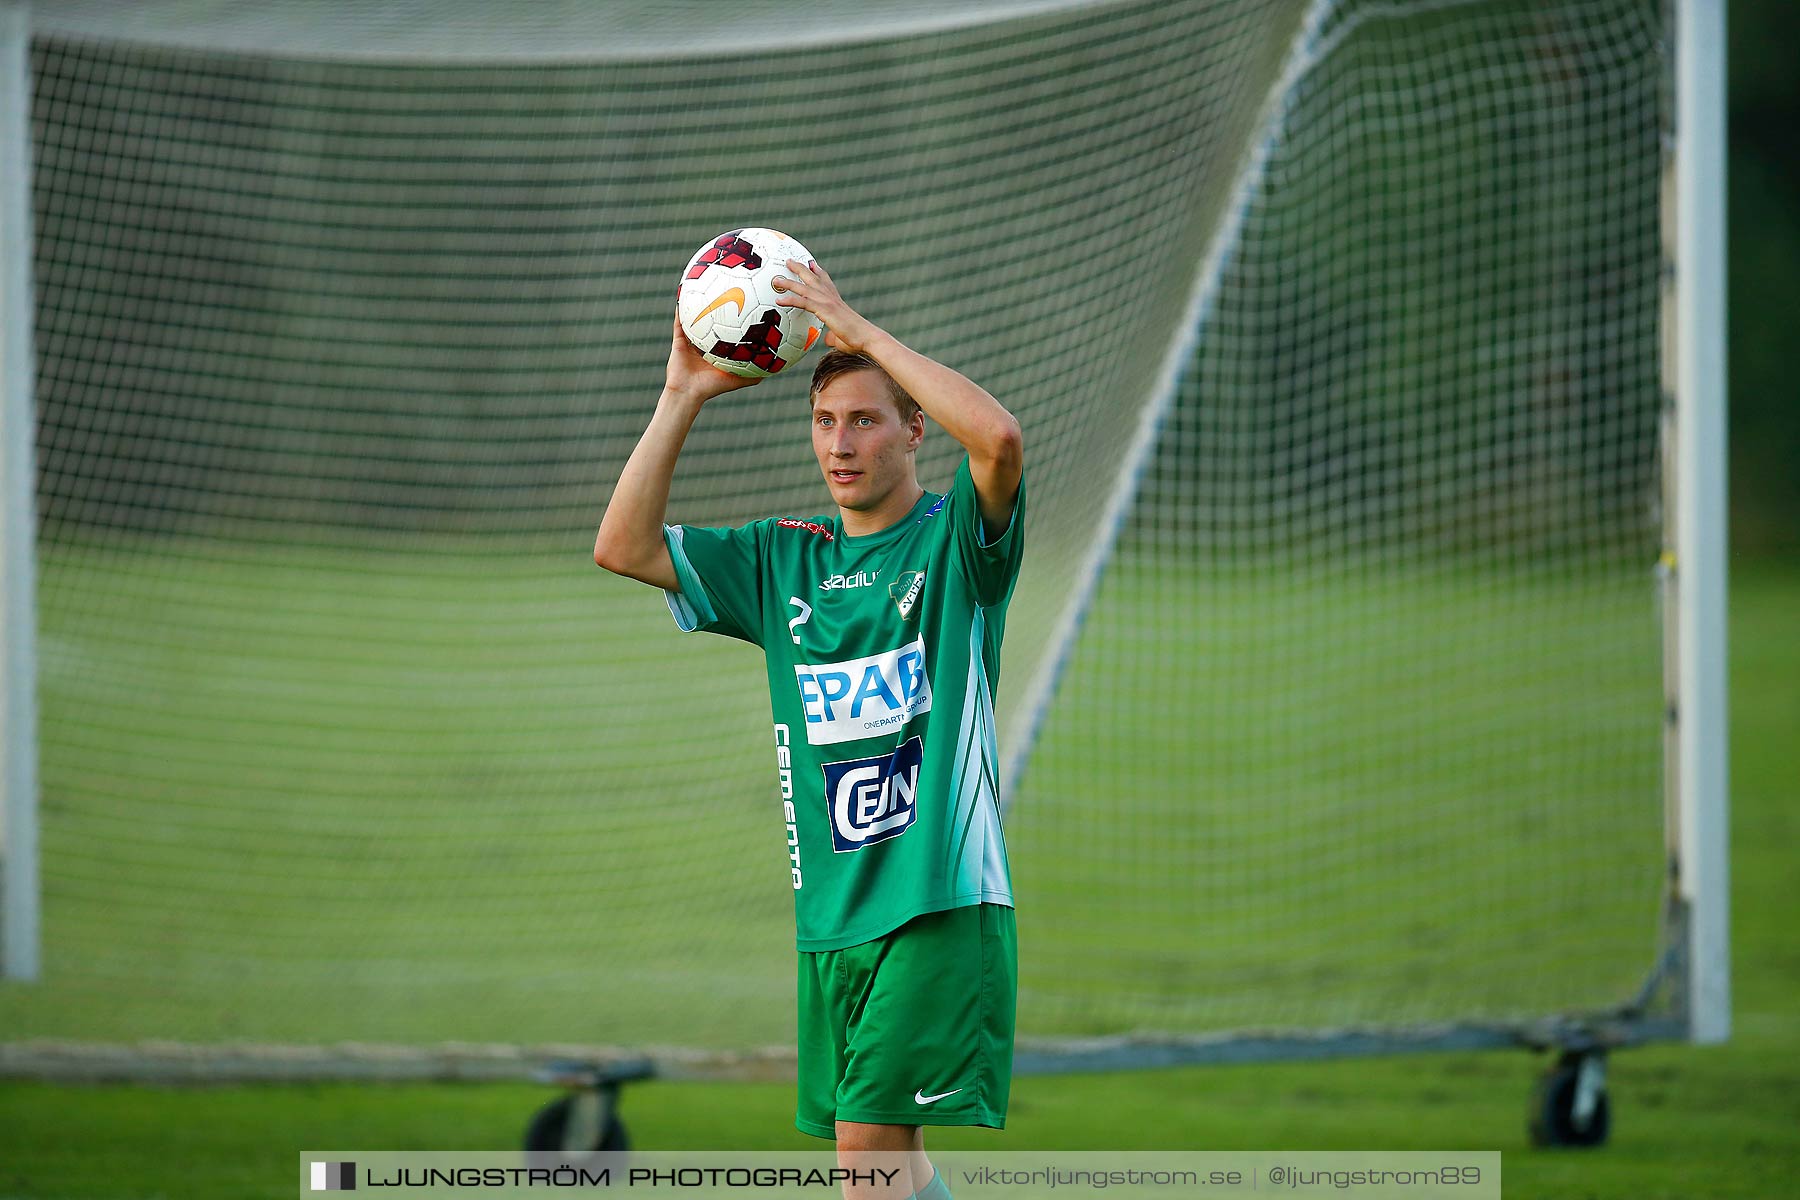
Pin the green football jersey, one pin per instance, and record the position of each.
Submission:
(883, 654)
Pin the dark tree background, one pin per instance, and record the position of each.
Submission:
(1764, 232)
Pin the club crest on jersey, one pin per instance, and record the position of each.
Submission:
(873, 799)
(906, 591)
(863, 697)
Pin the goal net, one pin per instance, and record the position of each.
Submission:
(1331, 692)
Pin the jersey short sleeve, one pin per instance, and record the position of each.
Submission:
(721, 579)
(991, 567)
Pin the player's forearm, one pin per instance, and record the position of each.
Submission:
(630, 541)
(964, 408)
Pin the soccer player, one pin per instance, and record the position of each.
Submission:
(881, 625)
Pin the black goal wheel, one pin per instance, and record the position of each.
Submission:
(1569, 1105)
(576, 1125)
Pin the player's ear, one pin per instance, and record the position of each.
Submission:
(915, 428)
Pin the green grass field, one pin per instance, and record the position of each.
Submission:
(299, 794)
(1717, 1121)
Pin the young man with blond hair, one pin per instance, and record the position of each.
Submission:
(881, 625)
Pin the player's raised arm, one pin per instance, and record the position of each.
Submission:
(967, 412)
(630, 541)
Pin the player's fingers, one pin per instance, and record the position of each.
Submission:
(793, 294)
(808, 270)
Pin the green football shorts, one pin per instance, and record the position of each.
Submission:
(913, 1028)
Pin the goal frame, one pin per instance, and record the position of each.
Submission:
(1694, 965)
(20, 890)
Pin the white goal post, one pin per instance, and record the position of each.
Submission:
(20, 920)
(1700, 774)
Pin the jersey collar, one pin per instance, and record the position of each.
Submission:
(913, 516)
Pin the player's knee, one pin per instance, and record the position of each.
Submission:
(882, 1153)
(859, 1136)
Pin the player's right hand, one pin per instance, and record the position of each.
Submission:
(693, 378)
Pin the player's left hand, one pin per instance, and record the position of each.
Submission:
(808, 286)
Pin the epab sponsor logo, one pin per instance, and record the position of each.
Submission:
(863, 697)
(873, 799)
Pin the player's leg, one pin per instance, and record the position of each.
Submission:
(866, 1146)
(833, 987)
(927, 1183)
(925, 1180)
(930, 1038)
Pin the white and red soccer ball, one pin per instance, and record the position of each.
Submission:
(729, 307)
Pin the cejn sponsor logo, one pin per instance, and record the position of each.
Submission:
(784, 764)
(823, 531)
(843, 583)
(863, 697)
(873, 799)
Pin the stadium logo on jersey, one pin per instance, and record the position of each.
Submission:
(873, 799)
(858, 579)
(863, 697)
(811, 526)
(906, 591)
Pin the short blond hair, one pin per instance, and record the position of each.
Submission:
(843, 362)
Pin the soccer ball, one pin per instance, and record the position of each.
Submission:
(729, 307)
